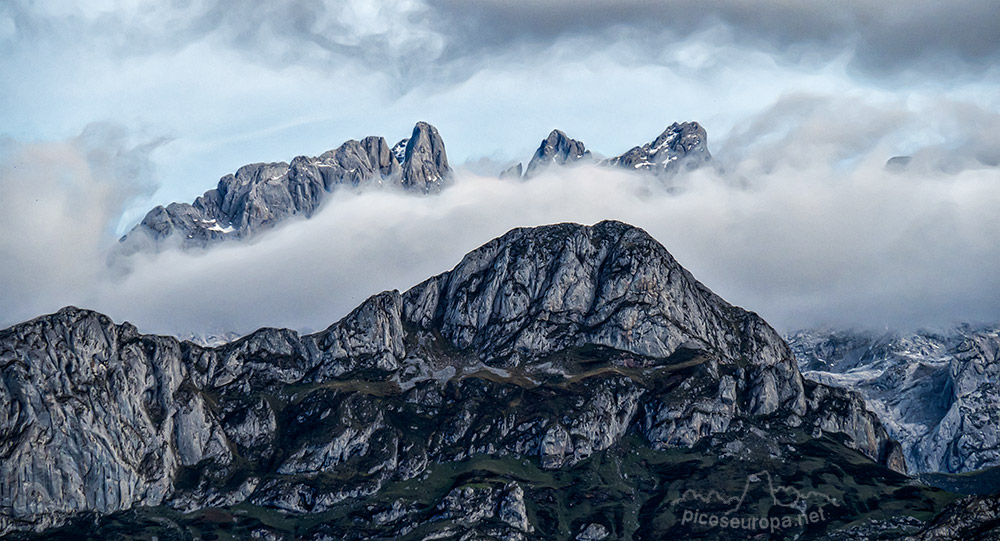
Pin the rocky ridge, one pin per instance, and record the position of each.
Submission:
(259, 196)
(546, 346)
(681, 146)
(556, 149)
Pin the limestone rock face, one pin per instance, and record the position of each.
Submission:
(425, 163)
(935, 392)
(94, 417)
(543, 348)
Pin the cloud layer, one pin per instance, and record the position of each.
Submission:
(803, 103)
(804, 225)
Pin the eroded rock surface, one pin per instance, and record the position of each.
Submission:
(547, 346)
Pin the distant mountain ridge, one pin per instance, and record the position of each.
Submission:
(261, 195)
(682, 146)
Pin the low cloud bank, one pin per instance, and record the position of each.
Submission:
(799, 220)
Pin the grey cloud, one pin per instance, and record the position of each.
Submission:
(884, 37)
(386, 36)
(59, 203)
(431, 41)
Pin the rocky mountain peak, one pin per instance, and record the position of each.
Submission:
(425, 163)
(681, 146)
(528, 299)
(261, 195)
(569, 276)
(513, 172)
(557, 149)
(540, 349)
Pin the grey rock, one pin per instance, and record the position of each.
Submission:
(425, 163)
(682, 146)
(557, 149)
(371, 336)
(974, 517)
(593, 532)
(513, 172)
(548, 344)
(469, 506)
(935, 392)
(94, 417)
(260, 196)
(554, 447)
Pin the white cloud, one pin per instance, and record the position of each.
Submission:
(802, 224)
(820, 234)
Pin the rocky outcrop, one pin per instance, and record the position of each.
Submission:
(259, 196)
(425, 164)
(681, 146)
(556, 149)
(935, 392)
(95, 417)
(472, 506)
(546, 346)
(974, 517)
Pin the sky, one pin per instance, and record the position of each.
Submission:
(112, 107)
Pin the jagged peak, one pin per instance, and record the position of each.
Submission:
(513, 172)
(425, 162)
(556, 148)
(506, 297)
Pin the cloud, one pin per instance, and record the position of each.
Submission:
(433, 42)
(804, 225)
(58, 203)
(234, 83)
(884, 37)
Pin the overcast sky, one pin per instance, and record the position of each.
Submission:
(111, 107)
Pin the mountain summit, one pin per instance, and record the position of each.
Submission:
(557, 149)
(259, 196)
(681, 146)
(549, 349)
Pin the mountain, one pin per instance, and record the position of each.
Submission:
(681, 146)
(513, 172)
(557, 149)
(561, 381)
(936, 392)
(259, 196)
